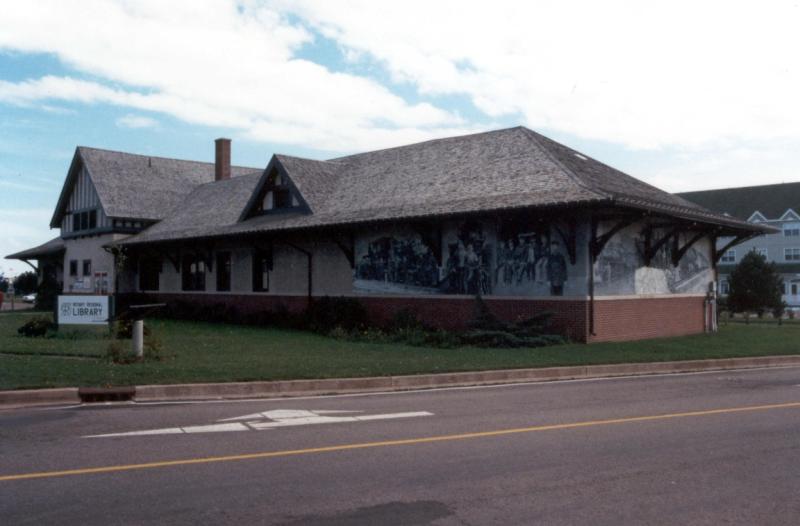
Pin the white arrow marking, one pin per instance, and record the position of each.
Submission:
(269, 420)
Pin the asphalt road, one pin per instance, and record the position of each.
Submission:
(719, 448)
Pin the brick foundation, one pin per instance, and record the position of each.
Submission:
(617, 319)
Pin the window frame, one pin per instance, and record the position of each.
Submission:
(791, 254)
(261, 268)
(73, 268)
(193, 273)
(86, 267)
(729, 256)
(150, 273)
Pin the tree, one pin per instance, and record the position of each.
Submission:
(755, 286)
(26, 283)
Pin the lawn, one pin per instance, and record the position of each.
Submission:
(205, 352)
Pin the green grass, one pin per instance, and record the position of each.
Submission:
(204, 352)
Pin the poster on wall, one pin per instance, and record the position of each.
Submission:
(468, 265)
(397, 263)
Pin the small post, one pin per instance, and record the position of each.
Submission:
(138, 338)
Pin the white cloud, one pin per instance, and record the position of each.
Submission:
(219, 63)
(136, 121)
(642, 74)
(21, 229)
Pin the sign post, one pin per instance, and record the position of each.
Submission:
(11, 293)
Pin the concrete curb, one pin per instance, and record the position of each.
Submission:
(294, 388)
(39, 397)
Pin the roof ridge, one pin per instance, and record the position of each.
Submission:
(428, 141)
(735, 188)
(160, 157)
(534, 137)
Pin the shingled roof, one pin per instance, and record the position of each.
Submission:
(772, 200)
(51, 248)
(137, 186)
(506, 169)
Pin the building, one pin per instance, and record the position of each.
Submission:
(526, 222)
(774, 205)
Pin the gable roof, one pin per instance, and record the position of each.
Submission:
(50, 248)
(136, 186)
(772, 200)
(505, 169)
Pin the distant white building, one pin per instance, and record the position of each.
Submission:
(776, 205)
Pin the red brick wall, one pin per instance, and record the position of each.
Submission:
(641, 318)
(615, 320)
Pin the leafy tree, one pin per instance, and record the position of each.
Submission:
(26, 283)
(47, 292)
(3, 284)
(755, 286)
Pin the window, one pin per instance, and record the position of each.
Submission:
(783, 287)
(791, 254)
(262, 264)
(724, 288)
(86, 220)
(791, 229)
(193, 272)
(794, 289)
(761, 252)
(223, 271)
(729, 257)
(87, 267)
(73, 267)
(149, 273)
(283, 198)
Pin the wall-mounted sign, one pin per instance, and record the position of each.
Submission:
(83, 310)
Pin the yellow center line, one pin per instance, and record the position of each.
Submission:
(387, 443)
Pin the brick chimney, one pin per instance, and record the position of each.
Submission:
(222, 159)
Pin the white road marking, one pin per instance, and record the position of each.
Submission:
(269, 420)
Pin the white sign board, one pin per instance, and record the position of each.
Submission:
(83, 310)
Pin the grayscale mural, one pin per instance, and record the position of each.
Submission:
(468, 266)
(530, 261)
(620, 268)
(477, 258)
(397, 264)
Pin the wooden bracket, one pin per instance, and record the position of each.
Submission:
(175, 259)
(650, 248)
(570, 239)
(597, 243)
(718, 253)
(347, 245)
(678, 252)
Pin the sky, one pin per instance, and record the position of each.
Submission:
(684, 95)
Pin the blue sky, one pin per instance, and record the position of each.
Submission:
(321, 79)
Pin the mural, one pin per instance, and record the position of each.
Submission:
(468, 266)
(530, 258)
(620, 267)
(476, 258)
(398, 264)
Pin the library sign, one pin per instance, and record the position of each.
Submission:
(83, 310)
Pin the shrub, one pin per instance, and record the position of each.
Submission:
(325, 314)
(36, 327)
(405, 319)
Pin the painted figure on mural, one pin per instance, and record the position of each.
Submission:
(556, 269)
(523, 255)
(404, 261)
(467, 267)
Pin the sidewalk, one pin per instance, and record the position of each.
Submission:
(295, 388)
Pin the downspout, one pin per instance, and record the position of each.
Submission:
(592, 260)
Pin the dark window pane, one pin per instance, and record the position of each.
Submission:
(93, 219)
(283, 198)
(193, 273)
(224, 271)
(149, 270)
(73, 267)
(87, 267)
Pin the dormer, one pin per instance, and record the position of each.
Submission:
(275, 194)
(790, 215)
(757, 217)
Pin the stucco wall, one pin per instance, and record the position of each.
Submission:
(90, 247)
